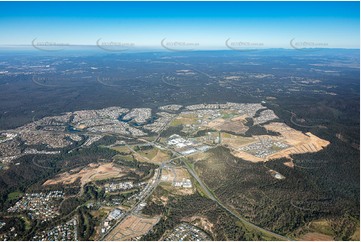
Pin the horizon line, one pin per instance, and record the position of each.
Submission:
(66, 47)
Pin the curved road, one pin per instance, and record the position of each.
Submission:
(212, 197)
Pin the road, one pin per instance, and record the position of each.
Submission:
(212, 197)
(152, 187)
(205, 189)
(300, 125)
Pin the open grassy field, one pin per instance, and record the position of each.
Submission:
(124, 157)
(152, 155)
(149, 154)
(235, 125)
(121, 149)
(228, 114)
(321, 226)
(161, 156)
(235, 141)
(15, 195)
(184, 119)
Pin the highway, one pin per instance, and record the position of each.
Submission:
(204, 188)
(153, 185)
(212, 197)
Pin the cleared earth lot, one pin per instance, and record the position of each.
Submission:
(133, 226)
(91, 172)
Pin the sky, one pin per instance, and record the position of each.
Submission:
(189, 25)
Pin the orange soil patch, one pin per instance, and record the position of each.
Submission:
(246, 156)
(131, 227)
(81, 126)
(299, 143)
(201, 222)
(295, 137)
(313, 236)
(356, 235)
(162, 199)
(241, 118)
(89, 173)
(289, 164)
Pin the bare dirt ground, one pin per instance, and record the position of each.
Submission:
(235, 141)
(246, 156)
(185, 118)
(356, 235)
(92, 172)
(299, 143)
(318, 230)
(175, 174)
(131, 227)
(289, 164)
(201, 222)
(313, 236)
(235, 125)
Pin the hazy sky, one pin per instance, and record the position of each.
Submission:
(202, 24)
